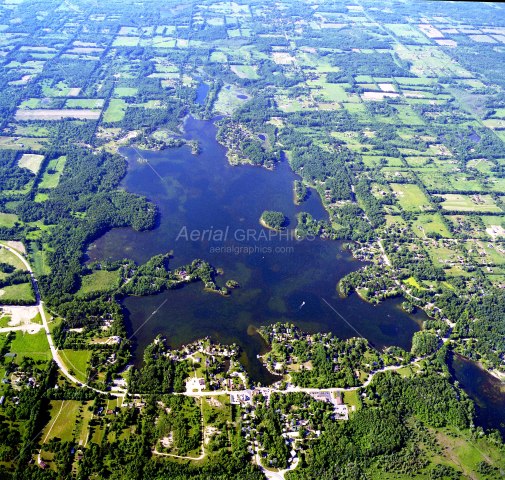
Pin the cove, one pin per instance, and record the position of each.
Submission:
(487, 391)
(281, 279)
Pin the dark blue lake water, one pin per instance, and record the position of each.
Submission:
(276, 275)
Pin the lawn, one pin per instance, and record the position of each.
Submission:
(410, 197)
(77, 362)
(413, 283)
(115, 111)
(31, 345)
(53, 172)
(351, 399)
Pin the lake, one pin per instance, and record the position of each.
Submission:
(281, 278)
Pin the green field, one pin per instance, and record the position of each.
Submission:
(426, 223)
(64, 415)
(228, 101)
(60, 89)
(410, 197)
(469, 203)
(115, 111)
(122, 92)
(21, 291)
(53, 172)
(125, 41)
(99, 281)
(244, 71)
(31, 345)
(77, 362)
(22, 143)
(92, 103)
(8, 219)
(11, 259)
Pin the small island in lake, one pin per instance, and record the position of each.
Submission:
(273, 220)
(300, 192)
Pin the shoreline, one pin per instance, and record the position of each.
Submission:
(264, 224)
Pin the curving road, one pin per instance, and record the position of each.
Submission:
(40, 306)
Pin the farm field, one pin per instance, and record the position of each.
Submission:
(47, 114)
